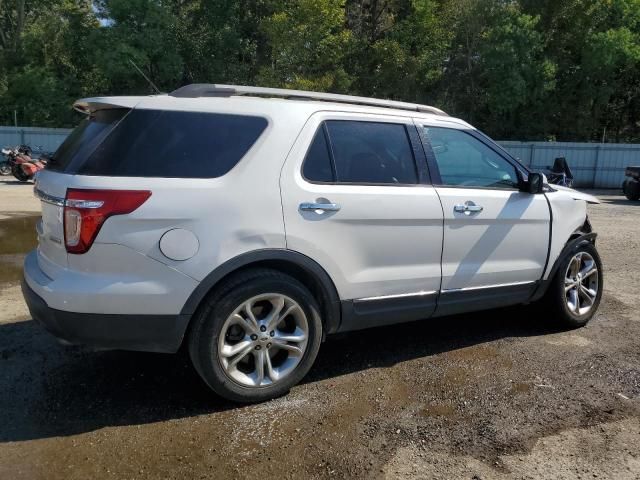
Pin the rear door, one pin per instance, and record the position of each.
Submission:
(357, 200)
(496, 238)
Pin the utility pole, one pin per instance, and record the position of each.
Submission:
(15, 118)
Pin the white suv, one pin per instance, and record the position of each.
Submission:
(249, 223)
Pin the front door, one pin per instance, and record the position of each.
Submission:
(496, 238)
(357, 201)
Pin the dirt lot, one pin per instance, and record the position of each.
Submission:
(501, 394)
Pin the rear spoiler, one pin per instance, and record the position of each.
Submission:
(91, 105)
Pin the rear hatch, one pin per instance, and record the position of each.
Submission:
(52, 183)
(126, 146)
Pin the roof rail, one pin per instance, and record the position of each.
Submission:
(215, 90)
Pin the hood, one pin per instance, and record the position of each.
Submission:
(576, 195)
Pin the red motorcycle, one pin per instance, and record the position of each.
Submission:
(23, 167)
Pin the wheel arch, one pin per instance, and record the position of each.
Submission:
(290, 262)
(578, 238)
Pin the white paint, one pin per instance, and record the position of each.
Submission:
(179, 244)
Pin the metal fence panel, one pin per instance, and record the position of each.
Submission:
(597, 165)
(45, 139)
(593, 164)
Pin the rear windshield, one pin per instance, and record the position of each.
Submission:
(85, 137)
(160, 143)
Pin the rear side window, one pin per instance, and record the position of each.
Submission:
(371, 152)
(85, 137)
(155, 143)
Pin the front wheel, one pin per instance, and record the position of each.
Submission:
(5, 168)
(575, 292)
(256, 336)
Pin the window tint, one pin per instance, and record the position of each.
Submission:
(83, 139)
(370, 152)
(152, 143)
(467, 162)
(317, 164)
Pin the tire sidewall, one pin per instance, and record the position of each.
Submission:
(210, 367)
(568, 317)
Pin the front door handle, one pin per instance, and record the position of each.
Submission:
(468, 208)
(323, 207)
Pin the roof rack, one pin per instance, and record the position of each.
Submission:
(197, 90)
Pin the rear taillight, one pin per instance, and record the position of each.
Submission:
(86, 210)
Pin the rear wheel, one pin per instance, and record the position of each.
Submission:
(575, 291)
(256, 336)
(631, 189)
(633, 196)
(5, 168)
(19, 173)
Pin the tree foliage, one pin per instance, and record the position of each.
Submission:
(521, 69)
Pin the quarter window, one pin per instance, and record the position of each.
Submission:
(155, 143)
(464, 161)
(317, 164)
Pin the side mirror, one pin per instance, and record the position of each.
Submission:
(533, 184)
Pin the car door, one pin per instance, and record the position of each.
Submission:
(357, 200)
(496, 238)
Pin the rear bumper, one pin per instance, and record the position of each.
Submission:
(151, 333)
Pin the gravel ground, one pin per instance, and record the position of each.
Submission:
(501, 394)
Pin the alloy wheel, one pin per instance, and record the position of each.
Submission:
(263, 340)
(581, 283)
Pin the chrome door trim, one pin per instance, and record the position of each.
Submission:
(45, 197)
(400, 295)
(484, 287)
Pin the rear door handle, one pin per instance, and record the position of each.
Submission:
(467, 208)
(324, 207)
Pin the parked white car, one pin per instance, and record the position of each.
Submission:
(250, 223)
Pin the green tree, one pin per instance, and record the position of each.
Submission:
(307, 42)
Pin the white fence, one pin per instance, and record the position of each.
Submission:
(593, 164)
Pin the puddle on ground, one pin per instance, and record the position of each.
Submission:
(17, 237)
(438, 410)
(521, 387)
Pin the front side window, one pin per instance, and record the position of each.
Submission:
(464, 161)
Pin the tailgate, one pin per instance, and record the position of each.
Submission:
(51, 188)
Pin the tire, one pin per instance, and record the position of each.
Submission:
(217, 330)
(631, 190)
(562, 302)
(632, 196)
(5, 168)
(19, 174)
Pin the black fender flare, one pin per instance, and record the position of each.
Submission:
(306, 264)
(569, 249)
